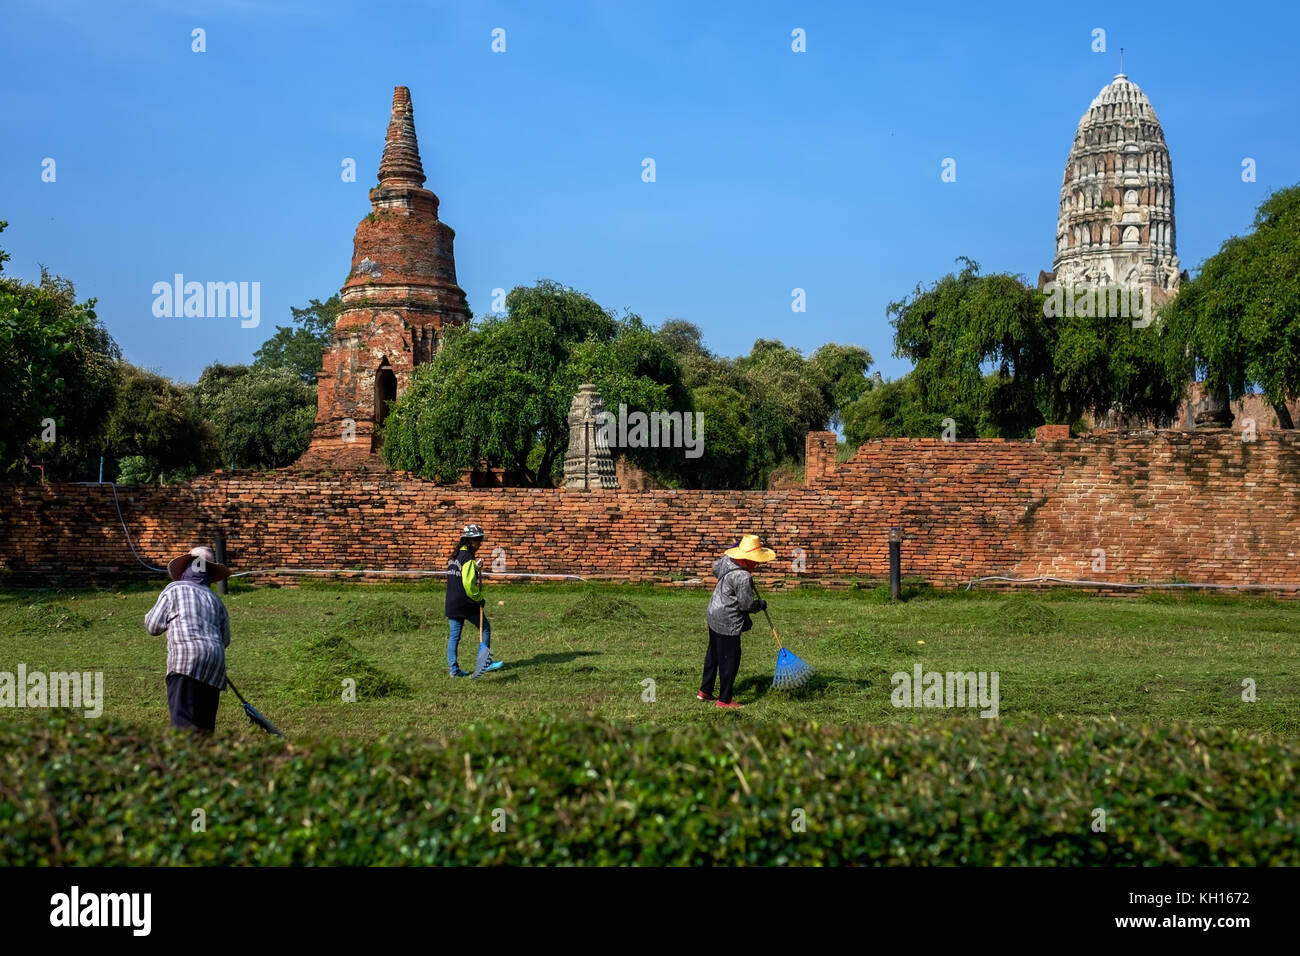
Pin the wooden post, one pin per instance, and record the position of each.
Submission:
(219, 547)
(895, 556)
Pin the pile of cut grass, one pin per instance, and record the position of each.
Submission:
(598, 606)
(1023, 615)
(322, 662)
(44, 616)
(377, 616)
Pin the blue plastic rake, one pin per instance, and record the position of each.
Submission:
(485, 664)
(253, 714)
(791, 671)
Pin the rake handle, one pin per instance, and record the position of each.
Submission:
(231, 685)
(775, 636)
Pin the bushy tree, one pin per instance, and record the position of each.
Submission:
(989, 355)
(299, 347)
(154, 423)
(500, 390)
(57, 362)
(262, 417)
(1240, 316)
(759, 408)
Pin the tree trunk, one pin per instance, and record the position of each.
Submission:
(1283, 415)
(547, 463)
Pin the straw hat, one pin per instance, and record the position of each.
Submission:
(216, 572)
(751, 549)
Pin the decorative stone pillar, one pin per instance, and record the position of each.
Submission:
(1213, 411)
(588, 464)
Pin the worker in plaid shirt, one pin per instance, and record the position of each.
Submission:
(198, 632)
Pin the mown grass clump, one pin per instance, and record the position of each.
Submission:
(599, 606)
(1024, 615)
(378, 616)
(322, 662)
(589, 791)
(43, 617)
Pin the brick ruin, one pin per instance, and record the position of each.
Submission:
(1202, 507)
(400, 294)
(1197, 506)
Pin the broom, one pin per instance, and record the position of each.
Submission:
(485, 662)
(252, 713)
(791, 672)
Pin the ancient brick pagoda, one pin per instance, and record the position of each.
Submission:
(400, 294)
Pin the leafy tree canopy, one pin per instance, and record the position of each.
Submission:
(155, 421)
(988, 355)
(57, 362)
(262, 417)
(299, 347)
(500, 390)
(1240, 316)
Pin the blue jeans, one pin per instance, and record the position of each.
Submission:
(453, 641)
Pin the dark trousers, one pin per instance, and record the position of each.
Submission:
(193, 703)
(721, 661)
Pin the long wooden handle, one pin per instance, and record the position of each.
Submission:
(775, 636)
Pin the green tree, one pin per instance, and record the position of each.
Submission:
(262, 417)
(989, 355)
(841, 373)
(57, 362)
(154, 422)
(500, 390)
(636, 369)
(889, 410)
(299, 347)
(1240, 316)
(728, 442)
(759, 408)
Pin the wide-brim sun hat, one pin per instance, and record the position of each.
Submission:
(473, 532)
(750, 549)
(216, 572)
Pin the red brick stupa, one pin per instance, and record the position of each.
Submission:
(400, 294)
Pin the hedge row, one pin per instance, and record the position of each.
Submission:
(566, 791)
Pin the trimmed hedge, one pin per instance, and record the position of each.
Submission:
(94, 792)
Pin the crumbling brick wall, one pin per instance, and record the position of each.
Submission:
(1163, 506)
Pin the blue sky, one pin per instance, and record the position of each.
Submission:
(775, 170)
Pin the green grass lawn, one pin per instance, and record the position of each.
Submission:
(582, 650)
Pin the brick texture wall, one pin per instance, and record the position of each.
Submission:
(1169, 505)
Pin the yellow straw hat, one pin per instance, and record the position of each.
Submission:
(751, 549)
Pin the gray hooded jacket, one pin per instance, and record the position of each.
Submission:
(733, 599)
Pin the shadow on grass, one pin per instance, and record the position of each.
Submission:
(539, 659)
(818, 685)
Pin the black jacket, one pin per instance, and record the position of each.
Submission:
(462, 579)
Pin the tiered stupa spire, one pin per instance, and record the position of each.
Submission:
(1116, 218)
(400, 294)
(401, 163)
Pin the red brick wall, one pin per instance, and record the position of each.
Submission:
(1194, 506)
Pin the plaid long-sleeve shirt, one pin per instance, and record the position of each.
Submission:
(198, 631)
